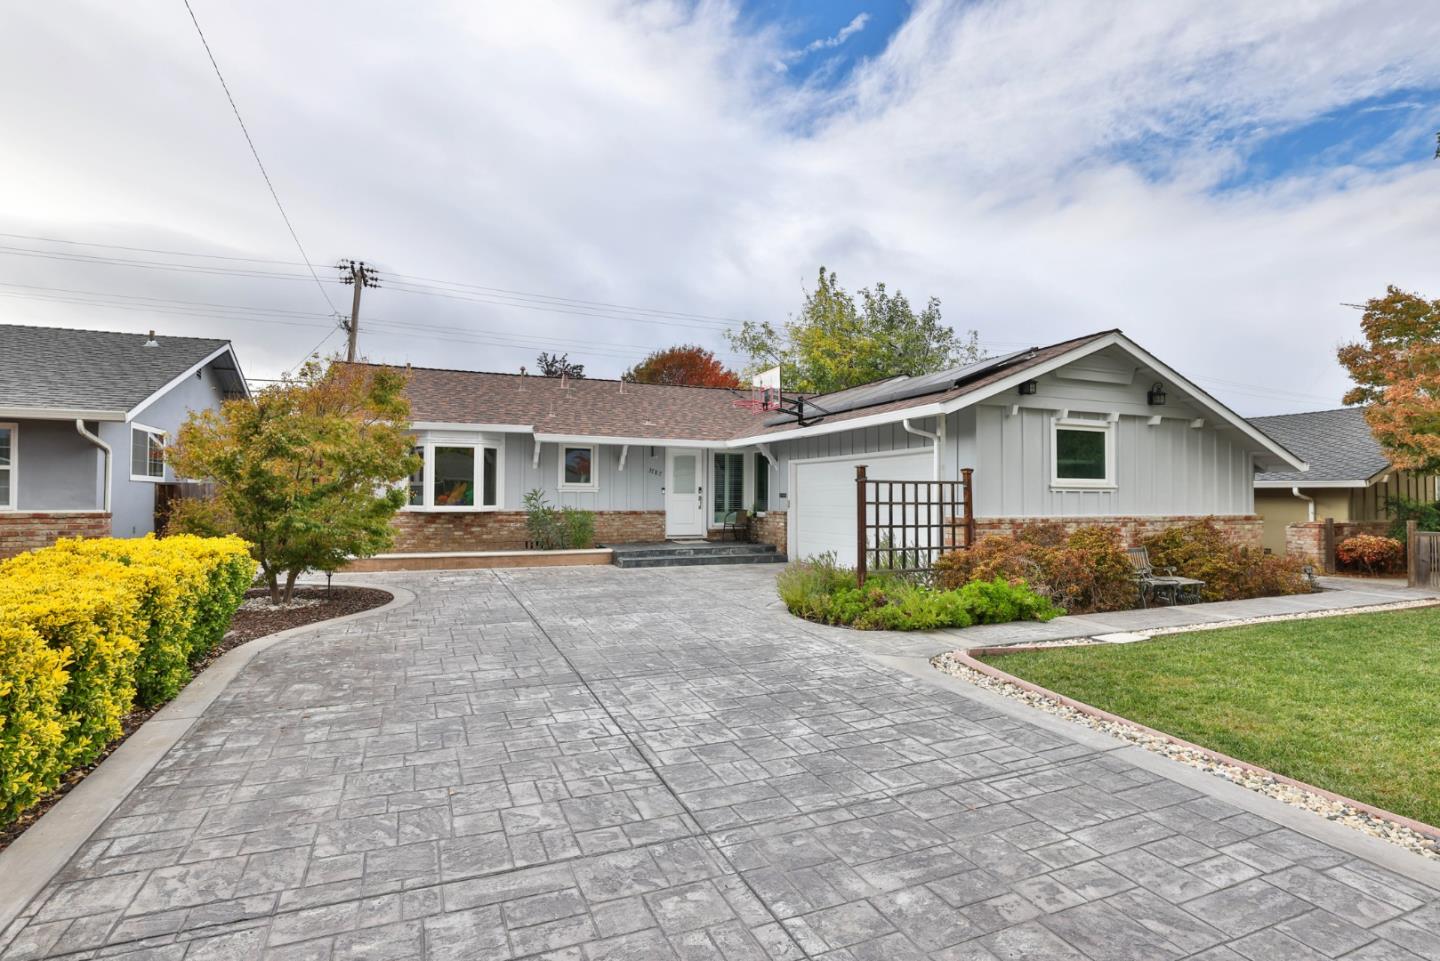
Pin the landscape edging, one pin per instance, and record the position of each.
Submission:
(965, 658)
(36, 856)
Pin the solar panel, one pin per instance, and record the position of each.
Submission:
(897, 388)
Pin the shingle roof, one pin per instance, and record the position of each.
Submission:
(610, 408)
(1337, 444)
(51, 368)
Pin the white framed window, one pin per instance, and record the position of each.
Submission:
(728, 488)
(455, 477)
(8, 492)
(147, 453)
(579, 467)
(1082, 453)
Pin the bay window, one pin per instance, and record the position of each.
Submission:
(456, 477)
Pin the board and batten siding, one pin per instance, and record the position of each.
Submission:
(866, 440)
(636, 488)
(1167, 469)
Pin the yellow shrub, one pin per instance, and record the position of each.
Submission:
(115, 618)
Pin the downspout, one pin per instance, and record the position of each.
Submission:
(935, 444)
(1309, 500)
(105, 449)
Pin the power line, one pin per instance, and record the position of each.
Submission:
(150, 250)
(256, 154)
(149, 264)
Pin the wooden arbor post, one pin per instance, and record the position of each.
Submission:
(861, 540)
(965, 475)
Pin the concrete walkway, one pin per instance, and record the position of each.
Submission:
(593, 764)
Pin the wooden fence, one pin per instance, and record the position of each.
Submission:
(1423, 550)
(902, 526)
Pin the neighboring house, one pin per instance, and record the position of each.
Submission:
(1093, 429)
(1350, 479)
(84, 417)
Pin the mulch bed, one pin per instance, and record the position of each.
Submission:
(245, 626)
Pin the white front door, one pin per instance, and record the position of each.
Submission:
(684, 492)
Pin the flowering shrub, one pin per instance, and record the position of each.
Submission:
(819, 590)
(1231, 571)
(1083, 572)
(85, 626)
(1370, 553)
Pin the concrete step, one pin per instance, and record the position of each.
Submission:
(695, 560)
(717, 549)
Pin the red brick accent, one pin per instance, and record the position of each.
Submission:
(1245, 529)
(421, 531)
(1307, 538)
(22, 531)
(770, 529)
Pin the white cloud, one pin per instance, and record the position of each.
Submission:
(999, 155)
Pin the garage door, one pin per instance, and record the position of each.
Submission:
(822, 512)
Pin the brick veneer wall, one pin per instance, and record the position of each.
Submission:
(770, 529)
(1245, 529)
(418, 532)
(1307, 538)
(22, 531)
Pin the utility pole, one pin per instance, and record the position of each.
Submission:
(359, 276)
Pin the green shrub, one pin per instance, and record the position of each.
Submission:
(819, 590)
(1424, 513)
(554, 529)
(117, 619)
(1231, 571)
(579, 528)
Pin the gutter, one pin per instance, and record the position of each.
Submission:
(1309, 500)
(934, 445)
(84, 432)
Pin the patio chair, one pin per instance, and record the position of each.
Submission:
(735, 524)
(1166, 585)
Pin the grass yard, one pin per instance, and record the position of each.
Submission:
(1351, 704)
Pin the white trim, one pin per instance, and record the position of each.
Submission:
(487, 428)
(701, 466)
(590, 486)
(1307, 484)
(477, 480)
(61, 413)
(226, 349)
(12, 469)
(835, 426)
(164, 462)
(582, 439)
(1106, 428)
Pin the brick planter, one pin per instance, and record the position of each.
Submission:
(770, 529)
(22, 531)
(419, 532)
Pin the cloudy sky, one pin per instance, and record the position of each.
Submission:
(1217, 179)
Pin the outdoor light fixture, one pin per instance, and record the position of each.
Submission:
(1028, 387)
(1155, 396)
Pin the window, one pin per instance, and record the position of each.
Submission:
(147, 453)
(417, 479)
(577, 468)
(729, 488)
(1083, 454)
(762, 483)
(7, 467)
(457, 477)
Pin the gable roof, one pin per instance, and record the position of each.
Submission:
(1337, 444)
(54, 372)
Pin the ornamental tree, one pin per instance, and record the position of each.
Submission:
(838, 341)
(688, 365)
(1397, 376)
(307, 472)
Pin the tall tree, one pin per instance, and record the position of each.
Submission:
(687, 365)
(306, 473)
(1397, 375)
(559, 365)
(837, 342)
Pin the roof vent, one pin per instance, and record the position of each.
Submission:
(151, 341)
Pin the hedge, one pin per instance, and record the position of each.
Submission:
(90, 628)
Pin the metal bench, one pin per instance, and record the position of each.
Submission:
(1165, 586)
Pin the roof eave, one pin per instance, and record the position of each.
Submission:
(60, 413)
(190, 372)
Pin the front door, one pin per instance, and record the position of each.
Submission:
(684, 493)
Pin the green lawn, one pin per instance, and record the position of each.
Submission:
(1351, 704)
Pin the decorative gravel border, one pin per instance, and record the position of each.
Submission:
(1423, 839)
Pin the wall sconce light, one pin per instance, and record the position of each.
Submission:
(1028, 387)
(1155, 396)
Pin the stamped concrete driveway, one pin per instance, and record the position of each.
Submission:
(602, 764)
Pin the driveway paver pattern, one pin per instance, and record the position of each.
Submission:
(595, 765)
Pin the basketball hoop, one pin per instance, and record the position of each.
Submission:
(764, 392)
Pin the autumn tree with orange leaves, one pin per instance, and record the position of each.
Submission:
(1397, 376)
(684, 366)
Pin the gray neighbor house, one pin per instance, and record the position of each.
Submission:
(84, 417)
(1089, 430)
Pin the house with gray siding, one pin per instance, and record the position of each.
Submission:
(84, 419)
(1089, 430)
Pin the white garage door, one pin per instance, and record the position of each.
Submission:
(822, 513)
